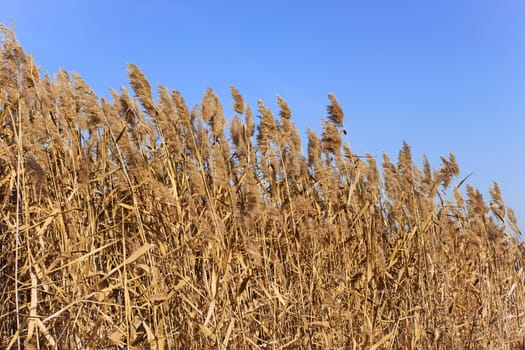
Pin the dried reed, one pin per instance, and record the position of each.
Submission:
(131, 223)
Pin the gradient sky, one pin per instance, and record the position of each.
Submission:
(446, 76)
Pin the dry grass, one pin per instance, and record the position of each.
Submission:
(137, 223)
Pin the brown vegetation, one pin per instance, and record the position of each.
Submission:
(137, 222)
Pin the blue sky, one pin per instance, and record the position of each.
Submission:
(446, 76)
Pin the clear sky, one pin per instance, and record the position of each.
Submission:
(444, 75)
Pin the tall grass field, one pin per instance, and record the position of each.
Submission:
(137, 222)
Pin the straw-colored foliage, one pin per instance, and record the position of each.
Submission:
(140, 223)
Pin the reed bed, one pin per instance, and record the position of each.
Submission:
(138, 222)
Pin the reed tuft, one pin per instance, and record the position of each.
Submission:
(136, 223)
